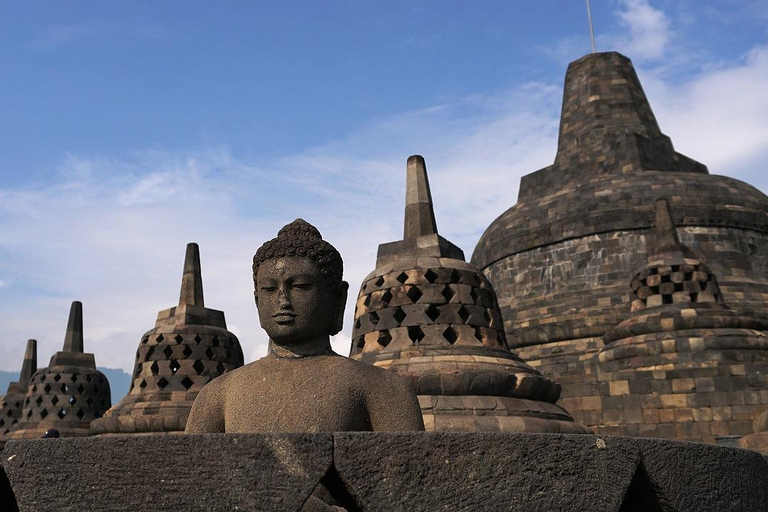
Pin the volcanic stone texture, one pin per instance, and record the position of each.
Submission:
(561, 258)
(189, 346)
(379, 471)
(433, 318)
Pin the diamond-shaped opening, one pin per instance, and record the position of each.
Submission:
(57, 377)
(415, 333)
(384, 338)
(174, 366)
(187, 351)
(220, 368)
(154, 368)
(55, 400)
(145, 339)
(374, 317)
(187, 383)
(455, 277)
(64, 389)
(72, 400)
(162, 383)
(29, 414)
(88, 378)
(199, 367)
(197, 338)
(463, 314)
(448, 293)
(215, 341)
(433, 312)
(402, 278)
(46, 388)
(168, 351)
(386, 297)
(150, 351)
(61, 413)
(379, 281)
(178, 338)
(399, 315)
(43, 413)
(451, 335)
(367, 301)
(38, 401)
(89, 400)
(139, 367)
(360, 342)
(414, 294)
(209, 353)
(474, 295)
(80, 413)
(143, 384)
(479, 334)
(430, 276)
(42, 378)
(159, 338)
(358, 323)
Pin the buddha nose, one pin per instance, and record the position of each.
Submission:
(283, 300)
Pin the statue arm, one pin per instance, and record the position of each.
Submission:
(394, 407)
(207, 414)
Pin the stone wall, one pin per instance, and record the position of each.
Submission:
(380, 471)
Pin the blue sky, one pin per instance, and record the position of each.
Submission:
(128, 129)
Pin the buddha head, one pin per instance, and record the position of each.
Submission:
(298, 286)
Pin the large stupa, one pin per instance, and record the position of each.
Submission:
(188, 347)
(560, 258)
(433, 318)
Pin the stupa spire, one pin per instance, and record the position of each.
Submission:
(73, 339)
(419, 213)
(29, 366)
(192, 279)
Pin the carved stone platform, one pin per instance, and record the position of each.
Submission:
(381, 471)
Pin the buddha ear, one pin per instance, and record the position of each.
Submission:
(341, 302)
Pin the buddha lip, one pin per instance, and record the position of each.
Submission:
(284, 315)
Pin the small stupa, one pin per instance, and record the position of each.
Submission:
(430, 316)
(189, 346)
(11, 403)
(69, 393)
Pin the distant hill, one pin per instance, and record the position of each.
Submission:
(119, 381)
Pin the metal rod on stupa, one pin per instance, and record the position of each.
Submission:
(29, 366)
(73, 340)
(419, 214)
(591, 28)
(192, 280)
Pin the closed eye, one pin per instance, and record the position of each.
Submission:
(269, 288)
(303, 286)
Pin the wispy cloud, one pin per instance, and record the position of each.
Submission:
(645, 31)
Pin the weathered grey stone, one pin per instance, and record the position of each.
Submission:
(203, 472)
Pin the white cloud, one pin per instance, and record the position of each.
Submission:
(644, 32)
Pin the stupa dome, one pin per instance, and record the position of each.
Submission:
(69, 393)
(188, 347)
(11, 403)
(433, 318)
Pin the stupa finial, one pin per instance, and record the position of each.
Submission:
(73, 340)
(29, 366)
(192, 280)
(666, 234)
(419, 214)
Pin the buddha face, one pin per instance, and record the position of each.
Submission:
(295, 303)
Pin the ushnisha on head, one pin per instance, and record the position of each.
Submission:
(298, 285)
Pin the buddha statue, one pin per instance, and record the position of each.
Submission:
(302, 385)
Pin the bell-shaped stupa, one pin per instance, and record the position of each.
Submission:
(692, 368)
(433, 318)
(69, 393)
(11, 403)
(189, 346)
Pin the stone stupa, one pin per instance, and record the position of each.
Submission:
(11, 403)
(428, 315)
(189, 346)
(69, 393)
